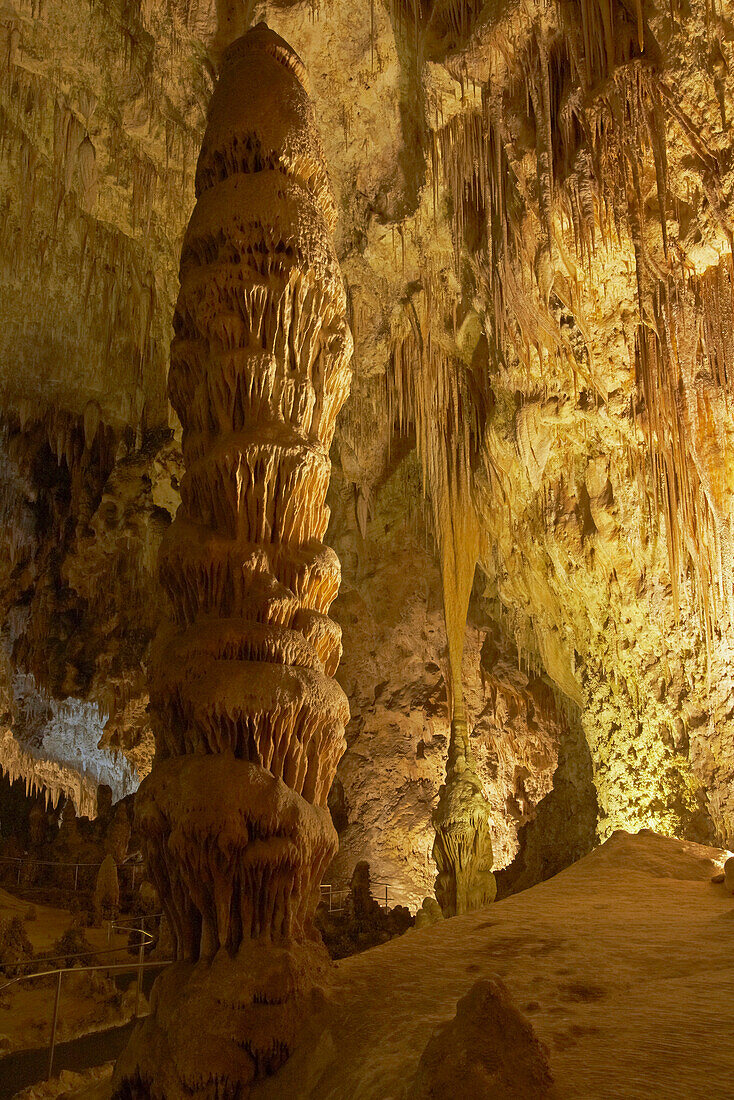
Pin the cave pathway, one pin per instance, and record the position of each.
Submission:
(28, 1067)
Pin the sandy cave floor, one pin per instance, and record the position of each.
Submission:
(624, 963)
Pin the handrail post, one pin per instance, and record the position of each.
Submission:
(20, 866)
(132, 884)
(138, 988)
(53, 1027)
(76, 877)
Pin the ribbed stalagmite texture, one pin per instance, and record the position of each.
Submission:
(250, 723)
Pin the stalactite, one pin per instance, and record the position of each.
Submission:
(249, 722)
(591, 153)
(433, 389)
(685, 365)
(42, 746)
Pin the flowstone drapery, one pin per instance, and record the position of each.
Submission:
(250, 723)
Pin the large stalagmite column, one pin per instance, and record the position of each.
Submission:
(249, 722)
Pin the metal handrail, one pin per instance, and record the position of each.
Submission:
(124, 925)
(62, 862)
(131, 865)
(108, 967)
(73, 955)
(101, 951)
(123, 922)
(139, 966)
(84, 970)
(330, 889)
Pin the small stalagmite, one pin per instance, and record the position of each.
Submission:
(249, 720)
(462, 848)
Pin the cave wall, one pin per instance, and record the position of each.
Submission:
(598, 649)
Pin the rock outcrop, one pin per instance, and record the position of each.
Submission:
(249, 720)
(490, 1047)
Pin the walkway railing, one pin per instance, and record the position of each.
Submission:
(28, 861)
(119, 968)
(335, 897)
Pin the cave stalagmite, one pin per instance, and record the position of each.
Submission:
(446, 286)
(249, 722)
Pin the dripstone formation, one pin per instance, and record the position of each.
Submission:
(462, 848)
(249, 722)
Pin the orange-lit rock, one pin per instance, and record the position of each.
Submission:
(249, 721)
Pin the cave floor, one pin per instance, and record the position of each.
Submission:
(50, 923)
(623, 963)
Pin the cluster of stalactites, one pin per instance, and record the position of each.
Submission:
(431, 388)
(250, 723)
(600, 107)
(46, 778)
(686, 382)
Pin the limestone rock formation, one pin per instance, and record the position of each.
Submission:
(390, 611)
(355, 920)
(249, 721)
(729, 874)
(489, 1047)
(434, 392)
(555, 180)
(52, 746)
(117, 836)
(428, 914)
(106, 890)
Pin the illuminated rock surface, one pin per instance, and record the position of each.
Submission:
(41, 748)
(532, 211)
(489, 1047)
(620, 967)
(462, 849)
(549, 187)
